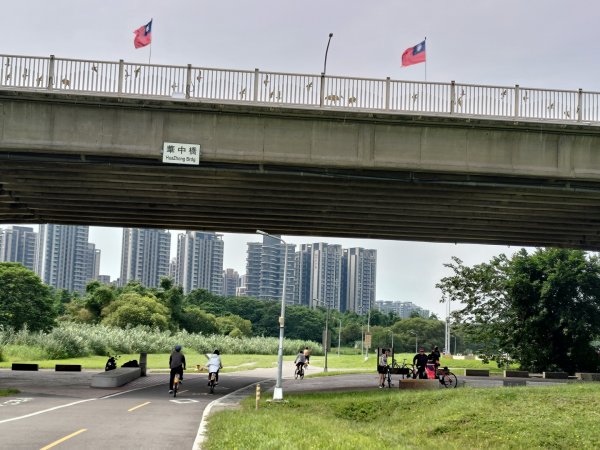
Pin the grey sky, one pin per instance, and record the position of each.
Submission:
(535, 43)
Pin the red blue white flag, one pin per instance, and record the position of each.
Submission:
(143, 35)
(414, 55)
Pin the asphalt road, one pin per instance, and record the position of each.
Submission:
(52, 407)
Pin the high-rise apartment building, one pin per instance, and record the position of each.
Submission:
(18, 244)
(145, 256)
(64, 258)
(200, 261)
(231, 281)
(265, 265)
(359, 277)
(404, 310)
(302, 279)
(325, 275)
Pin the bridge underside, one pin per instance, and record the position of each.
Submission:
(398, 205)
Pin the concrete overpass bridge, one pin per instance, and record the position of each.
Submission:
(81, 142)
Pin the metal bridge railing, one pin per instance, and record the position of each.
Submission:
(288, 89)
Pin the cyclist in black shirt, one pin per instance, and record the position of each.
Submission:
(420, 361)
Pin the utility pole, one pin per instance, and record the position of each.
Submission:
(339, 336)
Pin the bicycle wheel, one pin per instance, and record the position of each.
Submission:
(389, 379)
(175, 385)
(297, 373)
(301, 373)
(212, 383)
(449, 380)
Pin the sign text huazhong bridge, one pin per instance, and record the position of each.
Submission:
(176, 153)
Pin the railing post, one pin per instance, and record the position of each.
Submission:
(188, 81)
(517, 100)
(322, 90)
(51, 73)
(256, 75)
(579, 104)
(387, 93)
(120, 82)
(452, 96)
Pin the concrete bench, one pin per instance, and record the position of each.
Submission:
(556, 375)
(67, 367)
(477, 373)
(588, 376)
(24, 366)
(419, 384)
(516, 374)
(115, 378)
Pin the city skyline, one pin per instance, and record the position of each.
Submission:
(468, 42)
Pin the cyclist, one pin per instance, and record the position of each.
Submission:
(307, 354)
(434, 357)
(382, 366)
(300, 359)
(214, 365)
(177, 365)
(420, 361)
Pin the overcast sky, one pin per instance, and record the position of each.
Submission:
(534, 43)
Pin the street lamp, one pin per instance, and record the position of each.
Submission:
(416, 342)
(322, 94)
(392, 332)
(278, 390)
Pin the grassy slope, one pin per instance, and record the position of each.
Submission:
(7, 392)
(539, 417)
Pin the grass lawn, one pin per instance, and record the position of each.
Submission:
(564, 416)
(7, 392)
(231, 363)
(156, 361)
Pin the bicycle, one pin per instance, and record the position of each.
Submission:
(388, 377)
(444, 376)
(299, 373)
(404, 369)
(176, 381)
(212, 382)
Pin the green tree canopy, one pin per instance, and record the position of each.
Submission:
(133, 309)
(24, 299)
(541, 309)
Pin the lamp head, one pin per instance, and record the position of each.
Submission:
(330, 35)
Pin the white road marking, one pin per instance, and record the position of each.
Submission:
(46, 410)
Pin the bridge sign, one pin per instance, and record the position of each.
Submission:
(176, 153)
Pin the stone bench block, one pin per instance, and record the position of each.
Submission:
(419, 384)
(588, 376)
(23, 366)
(514, 383)
(556, 375)
(115, 378)
(516, 374)
(67, 367)
(477, 373)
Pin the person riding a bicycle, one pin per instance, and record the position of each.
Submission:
(214, 365)
(177, 366)
(300, 360)
(307, 355)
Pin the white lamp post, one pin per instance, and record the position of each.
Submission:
(278, 390)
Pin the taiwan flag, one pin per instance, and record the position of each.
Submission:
(414, 55)
(143, 35)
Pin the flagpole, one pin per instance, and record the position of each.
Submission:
(150, 55)
(425, 40)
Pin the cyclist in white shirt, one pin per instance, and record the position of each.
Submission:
(214, 364)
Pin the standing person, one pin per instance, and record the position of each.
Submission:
(214, 365)
(435, 356)
(177, 365)
(382, 364)
(420, 361)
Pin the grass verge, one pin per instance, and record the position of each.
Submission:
(7, 392)
(525, 417)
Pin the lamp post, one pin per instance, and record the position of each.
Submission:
(339, 336)
(278, 390)
(324, 71)
(326, 337)
(392, 333)
(416, 341)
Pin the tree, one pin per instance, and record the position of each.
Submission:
(234, 325)
(541, 309)
(133, 309)
(24, 299)
(195, 320)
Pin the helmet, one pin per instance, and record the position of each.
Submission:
(177, 347)
(216, 352)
